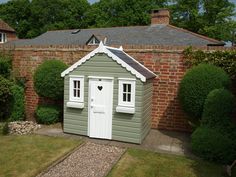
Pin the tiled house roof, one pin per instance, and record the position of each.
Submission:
(134, 35)
(5, 27)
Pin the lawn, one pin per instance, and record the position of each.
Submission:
(26, 156)
(139, 163)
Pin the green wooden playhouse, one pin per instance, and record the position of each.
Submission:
(108, 95)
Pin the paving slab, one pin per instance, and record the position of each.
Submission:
(171, 142)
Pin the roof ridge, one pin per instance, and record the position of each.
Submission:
(195, 34)
(101, 28)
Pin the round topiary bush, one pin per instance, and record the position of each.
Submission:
(47, 114)
(218, 108)
(5, 98)
(47, 79)
(212, 145)
(196, 85)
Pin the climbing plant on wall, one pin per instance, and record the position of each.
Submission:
(224, 59)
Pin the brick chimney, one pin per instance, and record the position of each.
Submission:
(160, 16)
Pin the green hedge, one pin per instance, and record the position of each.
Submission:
(18, 103)
(223, 59)
(218, 108)
(197, 83)
(47, 114)
(48, 81)
(5, 65)
(212, 145)
(5, 98)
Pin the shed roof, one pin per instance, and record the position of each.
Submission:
(5, 27)
(133, 35)
(121, 58)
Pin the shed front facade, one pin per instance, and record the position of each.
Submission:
(108, 95)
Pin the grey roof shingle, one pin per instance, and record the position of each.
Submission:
(134, 64)
(133, 35)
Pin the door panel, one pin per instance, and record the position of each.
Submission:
(100, 108)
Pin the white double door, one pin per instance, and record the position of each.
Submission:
(100, 108)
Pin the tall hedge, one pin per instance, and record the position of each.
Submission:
(5, 65)
(47, 79)
(223, 59)
(218, 108)
(5, 98)
(196, 85)
(18, 103)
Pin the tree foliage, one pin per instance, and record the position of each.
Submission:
(31, 18)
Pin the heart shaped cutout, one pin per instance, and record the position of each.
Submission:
(100, 88)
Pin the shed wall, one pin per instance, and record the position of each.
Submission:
(125, 127)
(147, 108)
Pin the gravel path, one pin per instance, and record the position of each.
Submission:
(90, 160)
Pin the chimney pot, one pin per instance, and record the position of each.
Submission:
(160, 16)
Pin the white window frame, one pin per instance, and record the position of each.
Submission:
(93, 41)
(3, 37)
(120, 92)
(71, 88)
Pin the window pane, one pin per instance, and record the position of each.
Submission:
(124, 87)
(128, 97)
(74, 92)
(75, 84)
(124, 97)
(4, 37)
(1, 37)
(96, 41)
(129, 88)
(78, 93)
(78, 86)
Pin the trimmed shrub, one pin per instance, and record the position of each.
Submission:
(196, 85)
(18, 103)
(47, 79)
(212, 145)
(5, 98)
(47, 114)
(218, 108)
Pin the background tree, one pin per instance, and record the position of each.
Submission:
(107, 13)
(212, 18)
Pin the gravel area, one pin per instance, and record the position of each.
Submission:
(90, 160)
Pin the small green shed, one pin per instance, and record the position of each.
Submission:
(108, 95)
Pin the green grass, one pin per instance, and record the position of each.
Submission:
(139, 163)
(26, 156)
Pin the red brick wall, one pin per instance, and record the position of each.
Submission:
(11, 36)
(167, 62)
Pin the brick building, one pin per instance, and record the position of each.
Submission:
(7, 33)
(158, 46)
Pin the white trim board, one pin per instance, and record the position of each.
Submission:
(104, 49)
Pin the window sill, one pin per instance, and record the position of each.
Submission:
(71, 104)
(124, 109)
